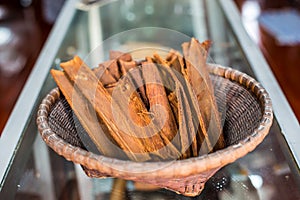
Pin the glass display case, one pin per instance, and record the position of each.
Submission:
(29, 169)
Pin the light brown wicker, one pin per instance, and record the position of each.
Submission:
(246, 125)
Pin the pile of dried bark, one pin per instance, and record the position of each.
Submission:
(154, 109)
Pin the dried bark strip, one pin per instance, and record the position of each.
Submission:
(177, 106)
(195, 55)
(175, 60)
(154, 141)
(118, 55)
(187, 118)
(174, 105)
(107, 72)
(135, 75)
(126, 97)
(187, 128)
(87, 83)
(159, 104)
(136, 143)
(187, 122)
(126, 66)
(84, 111)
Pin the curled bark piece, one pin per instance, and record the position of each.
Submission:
(108, 72)
(197, 75)
(126, 66)
(140, 121)
(135, 75)
(108, 78)
(190, 134)
(175, 60)
(133, 88)
(175, 84)
(85, 113)
(87, 83)
(138, 144)
(159, 104)
(152, 109)
(174, 104)
(118, 55)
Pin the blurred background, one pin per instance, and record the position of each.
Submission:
(25, 25)
(275, 26)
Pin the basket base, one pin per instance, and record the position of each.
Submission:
(190, 186)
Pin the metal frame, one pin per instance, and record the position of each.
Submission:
(284, 114)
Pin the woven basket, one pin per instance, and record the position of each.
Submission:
(247, 121)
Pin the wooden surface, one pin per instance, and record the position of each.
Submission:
(284, 60)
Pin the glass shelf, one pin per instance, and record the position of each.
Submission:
(29, 167)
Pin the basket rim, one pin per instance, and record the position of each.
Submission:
(166, 169)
